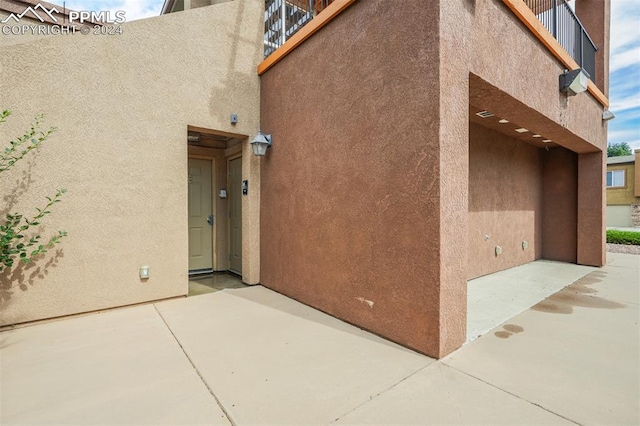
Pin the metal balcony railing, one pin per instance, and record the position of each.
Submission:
(283, 18)
(562, 22)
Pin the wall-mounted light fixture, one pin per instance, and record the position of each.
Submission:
(574, 82)
(260, 144)
(607, 115)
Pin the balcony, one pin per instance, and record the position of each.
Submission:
(284, 18)
(560, 20)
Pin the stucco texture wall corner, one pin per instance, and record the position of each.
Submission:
(251, 217)
(453, 105)
(121, 149)
(349, 205)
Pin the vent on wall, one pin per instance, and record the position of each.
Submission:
(484, 114)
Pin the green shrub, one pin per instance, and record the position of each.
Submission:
(615, 236)
(15, 245)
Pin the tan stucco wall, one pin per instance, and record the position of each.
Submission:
(624, 195)
(505, 201)
(121, 151)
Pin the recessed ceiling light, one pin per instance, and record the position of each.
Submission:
(484, 114)
(522, 130)
(537, 136)
(547, 140)
(503, 121)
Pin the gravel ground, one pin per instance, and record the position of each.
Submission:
(623, 248)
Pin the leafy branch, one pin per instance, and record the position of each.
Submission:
(21, 146)
(14, 244)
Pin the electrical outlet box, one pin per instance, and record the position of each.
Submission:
(234, 119)
(525, 245)
(144, 272)
(498, 250)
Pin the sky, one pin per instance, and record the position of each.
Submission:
(136, 9)
(624, 71)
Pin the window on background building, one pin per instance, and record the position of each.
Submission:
(615, 178)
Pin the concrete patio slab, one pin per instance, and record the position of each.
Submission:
(253, 356)
(494, 298)
(272, 360)
(576, 353)
(444, 396)
(119, 367)
(609, 282)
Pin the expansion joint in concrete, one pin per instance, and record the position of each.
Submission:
(513, 394)
(233, 423)
(372, 397)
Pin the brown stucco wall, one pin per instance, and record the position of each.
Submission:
(560, 209)
(350, 189)
(350, 217)
(454, 175)
(121, 151)
(513, 60)
(503, 66)
(505, 201)
(592, 203)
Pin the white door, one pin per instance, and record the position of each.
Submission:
(200, 215)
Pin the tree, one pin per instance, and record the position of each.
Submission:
(618, 149)
(14, 245)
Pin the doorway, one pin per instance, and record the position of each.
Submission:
(235, 215)
(201, 217)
